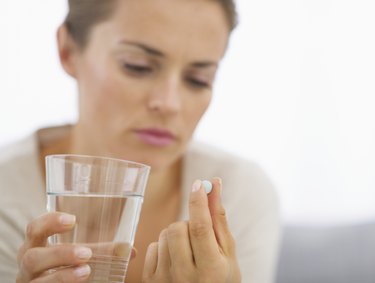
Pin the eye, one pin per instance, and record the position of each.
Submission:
(137, 69)
(198, 83)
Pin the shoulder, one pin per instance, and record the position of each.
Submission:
(18, 160)
(244, 181)
(248, 194)
(17, 200)
(230, 167)
(206, 154)
(13, 155)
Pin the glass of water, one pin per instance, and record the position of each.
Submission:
(106, 196)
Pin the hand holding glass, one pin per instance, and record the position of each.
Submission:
(106, 196)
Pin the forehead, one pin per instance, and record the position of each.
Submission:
(176, 27)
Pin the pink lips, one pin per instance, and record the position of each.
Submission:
(155, 137)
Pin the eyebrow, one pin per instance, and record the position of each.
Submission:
(148, 49)
(153, 51)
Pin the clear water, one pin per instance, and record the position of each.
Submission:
(106, 224)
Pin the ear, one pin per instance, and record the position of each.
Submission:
(67, 49)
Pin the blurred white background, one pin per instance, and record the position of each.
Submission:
(296, 94)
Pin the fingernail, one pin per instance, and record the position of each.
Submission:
(67, 219)
(207, 186)
(83, 252)
(133, 253)
(82, 271)
(221, 184)
(196, 185)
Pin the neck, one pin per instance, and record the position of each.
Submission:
(59, 146)
(163, 185)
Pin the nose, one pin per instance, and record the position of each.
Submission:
(166, 95)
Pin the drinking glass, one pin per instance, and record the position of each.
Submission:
(106, 196)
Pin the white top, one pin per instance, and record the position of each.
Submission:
(250, 202)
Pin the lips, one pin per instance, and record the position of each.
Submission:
(155, 136)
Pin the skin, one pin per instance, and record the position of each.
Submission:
(201, 250)
(145, 67)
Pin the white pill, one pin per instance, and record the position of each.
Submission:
(207, 186)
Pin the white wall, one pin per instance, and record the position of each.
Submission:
(296, 93)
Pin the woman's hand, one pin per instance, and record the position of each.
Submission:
(35, 258)
(197, 251)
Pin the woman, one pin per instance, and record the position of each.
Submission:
(145, 71)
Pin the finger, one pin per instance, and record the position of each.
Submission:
(133, 253)
(151, 260)
(46, 225)
(164, 261)
(118, 249)
(202, 236)
(37, 260)
(71, 275)
(179, 245)
(41, 228)
(219, 219)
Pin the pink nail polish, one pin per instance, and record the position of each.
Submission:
(82, 271)
(83, 252)
(67, 219)
(196, 185)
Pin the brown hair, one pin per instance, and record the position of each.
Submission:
(84, 14)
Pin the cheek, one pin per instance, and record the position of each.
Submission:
(195, 112)
(106, 94)
(96, 105)
(94, 88)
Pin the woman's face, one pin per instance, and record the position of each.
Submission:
(145, 78)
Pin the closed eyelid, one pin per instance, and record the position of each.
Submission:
(206, 76)
(205, 65)
(199, 81)
(131, 59)
(138, 62)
